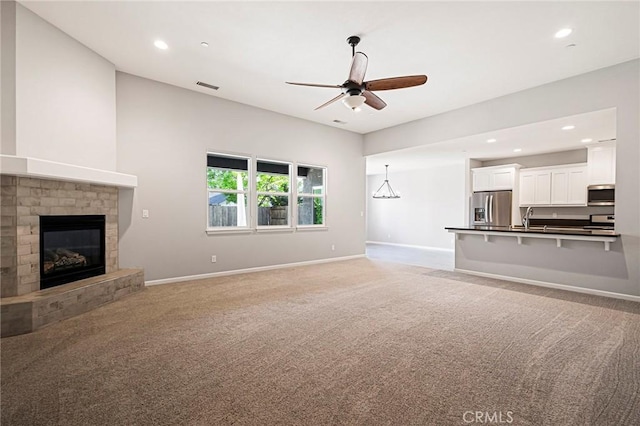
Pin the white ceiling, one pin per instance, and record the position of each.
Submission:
(471, 51)
(531, 139)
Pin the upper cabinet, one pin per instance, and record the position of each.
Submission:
(569, 186)
(494, 178)
(601, 160)
(564, 185)
(535, 187)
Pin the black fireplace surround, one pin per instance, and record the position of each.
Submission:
(71, 248)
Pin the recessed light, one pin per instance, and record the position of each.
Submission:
(204, 44)
(161, 44)
(563, 33)
(569, 127)
(587, 140)
(517, 150)
(491, 140)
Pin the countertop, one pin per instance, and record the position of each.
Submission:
(540, 230)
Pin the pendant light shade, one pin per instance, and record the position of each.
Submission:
(385, 190)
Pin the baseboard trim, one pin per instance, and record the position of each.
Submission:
(410, 246)
(552, 285)
(250, 270)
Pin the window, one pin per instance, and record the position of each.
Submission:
(245, 194)
(227, 191)
(311, 195)
(273, 188)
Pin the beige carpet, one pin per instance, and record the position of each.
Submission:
(358, 342)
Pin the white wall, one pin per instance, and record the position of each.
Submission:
(617, 86)
(164, 133)
(430, 200)
(65, 97)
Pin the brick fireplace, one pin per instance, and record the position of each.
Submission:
(24, 201)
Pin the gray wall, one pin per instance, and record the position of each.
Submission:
(163, 135)
(431, 199)
(617, 86)
(8, 78)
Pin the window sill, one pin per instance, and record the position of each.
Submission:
(222, 231)
(312, 228)
(267, 229)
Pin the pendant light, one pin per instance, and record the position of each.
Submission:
(385, 190)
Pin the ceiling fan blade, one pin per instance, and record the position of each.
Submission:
(332, 86)
(340, 96)
(373, 100)
(395, 82)
(358, 67)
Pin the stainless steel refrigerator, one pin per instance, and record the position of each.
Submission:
(491, 208)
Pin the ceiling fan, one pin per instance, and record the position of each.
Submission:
(356, 91)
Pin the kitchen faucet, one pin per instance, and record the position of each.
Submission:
(527, 217)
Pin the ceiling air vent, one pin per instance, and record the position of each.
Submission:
(339, 122)
(207, 85)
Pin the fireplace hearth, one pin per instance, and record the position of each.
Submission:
(71, 248)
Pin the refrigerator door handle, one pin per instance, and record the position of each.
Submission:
(486, 210)
(491, 209)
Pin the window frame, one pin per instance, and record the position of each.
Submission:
(246, 192)
(322, 196)
(291, 219)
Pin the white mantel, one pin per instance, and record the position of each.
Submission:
(45, 169)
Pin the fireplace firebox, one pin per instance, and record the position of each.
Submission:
(71, 248)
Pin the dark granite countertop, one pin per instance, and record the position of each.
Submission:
(540, 230)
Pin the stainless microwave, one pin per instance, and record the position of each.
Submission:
(601, 195)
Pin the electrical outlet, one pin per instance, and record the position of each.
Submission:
(333, 247)
(145, 214)
(214, 259)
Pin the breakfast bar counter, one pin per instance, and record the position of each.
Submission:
(559, 234)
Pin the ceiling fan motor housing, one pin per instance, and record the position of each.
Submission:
(352, 88)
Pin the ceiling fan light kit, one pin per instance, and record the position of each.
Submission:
(354, 102)
(385, 191)
(356, 91)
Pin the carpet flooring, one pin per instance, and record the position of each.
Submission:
(358, 342)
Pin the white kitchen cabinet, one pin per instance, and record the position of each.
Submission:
(527, 188)
(601, 163)
(481, 180)
(569, 186)
(564, 185)
(535, 187)
(494, 178)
